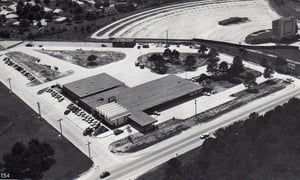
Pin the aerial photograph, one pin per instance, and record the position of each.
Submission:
(149, 90)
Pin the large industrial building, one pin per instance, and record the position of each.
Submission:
(107, 97)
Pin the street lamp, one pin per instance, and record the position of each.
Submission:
(60, 127)
(89, 149)
(195, 107)
(9, 82)
(39, 109)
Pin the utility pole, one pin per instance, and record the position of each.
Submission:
(195, 107)
(167, 37)
(60, 127)
(39, 109)
(10, 88)
(89, 149)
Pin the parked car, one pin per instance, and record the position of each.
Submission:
(118, 131)
(104, 174)
(67, 112)
(87, 131)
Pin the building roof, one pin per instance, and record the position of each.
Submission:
(102, 98)
(141, 118)
(92, 85)
(156, 92)
(112, 111)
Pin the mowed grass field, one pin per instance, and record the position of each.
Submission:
(19, 123)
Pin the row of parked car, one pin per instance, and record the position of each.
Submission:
(55, 94)
(94, 123)
(19, 68)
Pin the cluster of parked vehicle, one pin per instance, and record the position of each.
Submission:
(55, 94)
(19, 68)
(94, 123)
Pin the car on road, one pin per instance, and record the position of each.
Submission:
(156, 113)
(29, 45)
(204, 136)
(104, 174)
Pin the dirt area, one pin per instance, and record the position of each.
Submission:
(80, 57)
(178, 67)
(173, 127)
(19, 123)
(42, 72)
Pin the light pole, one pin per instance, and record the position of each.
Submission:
(39, 109)
(195, 107)
(60, 127)
(167, 37)
(89, 149)
(9, 82)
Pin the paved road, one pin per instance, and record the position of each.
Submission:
(155, 158)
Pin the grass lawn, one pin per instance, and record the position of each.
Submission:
(19, 123)
(80, 57)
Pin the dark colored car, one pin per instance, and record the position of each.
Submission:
(67, 112)
(104, 174)
(118, 131)
(87, 131)
(29, 45)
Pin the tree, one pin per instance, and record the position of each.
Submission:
(91, 60)
(47, 1)
(158, 63)
(167, 53)
(237, 67)
(28, 162)
(268, 73)
(213, 53)
(173, 168)
(175, 54)
(212, 65)
(250, 81)
(202, 50)
(280, 61)
(223, 67)
(190, 61)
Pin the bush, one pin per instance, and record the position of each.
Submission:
(235, 81)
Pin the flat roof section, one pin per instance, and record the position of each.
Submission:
(102, 98)
(156, 92)
(92, 85)
(141, 118)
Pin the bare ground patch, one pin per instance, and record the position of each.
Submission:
(43, 72)
(80, 57)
